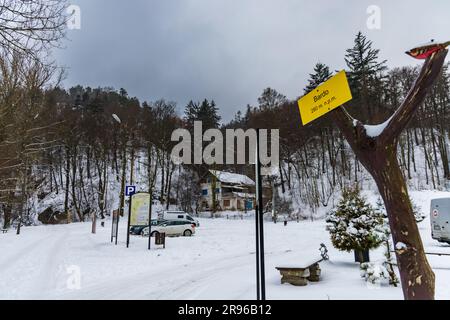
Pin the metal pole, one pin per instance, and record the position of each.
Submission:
(261, 240)
(129, 220)
(94, 223)
(112, 228)
(260, 214)
(258, 286)
(117, 226)
(258, 278)
(150, 221)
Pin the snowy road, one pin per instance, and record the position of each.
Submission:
(218, 263)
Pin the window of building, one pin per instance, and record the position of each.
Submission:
(205, 192)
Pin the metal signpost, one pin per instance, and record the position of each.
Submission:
(259, 224)
(150, 204)
(140, 207)
(129, 192)
(115, 226)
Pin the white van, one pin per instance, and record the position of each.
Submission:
(179, 215)
(440, 219)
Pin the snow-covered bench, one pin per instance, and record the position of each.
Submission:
(4, 230)
(308, 270)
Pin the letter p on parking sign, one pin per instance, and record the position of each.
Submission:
(130, 190)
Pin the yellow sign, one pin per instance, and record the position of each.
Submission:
(139, 209)
(325, 98)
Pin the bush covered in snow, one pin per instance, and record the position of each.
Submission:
(375, 273)
(354, 224)
(418, 214)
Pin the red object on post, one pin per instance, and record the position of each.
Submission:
(425, 51)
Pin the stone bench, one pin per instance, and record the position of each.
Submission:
(299, 276)
(306, 271)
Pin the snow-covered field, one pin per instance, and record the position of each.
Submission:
(217, 263)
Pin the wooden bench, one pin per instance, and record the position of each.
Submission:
(300, 275)
(4, 230)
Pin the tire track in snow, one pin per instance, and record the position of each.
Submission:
(9, 261)
(50, 268)
(30, 272)
(183, 281)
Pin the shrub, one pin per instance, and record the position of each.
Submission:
(354, 224)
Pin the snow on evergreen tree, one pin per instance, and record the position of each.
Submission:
(377, 275)
(417, 210)
(354, 224)
(380, 207)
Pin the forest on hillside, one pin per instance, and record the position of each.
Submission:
(76, 144)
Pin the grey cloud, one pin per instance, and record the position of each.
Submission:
(230, 50)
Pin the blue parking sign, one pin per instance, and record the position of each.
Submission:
(130, 190)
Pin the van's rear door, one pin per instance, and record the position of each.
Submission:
(440, 218)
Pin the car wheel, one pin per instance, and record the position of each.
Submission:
(187, 233)
(143, 233)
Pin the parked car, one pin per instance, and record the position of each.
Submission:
(137, 230)
(180, 216)
(172, 228)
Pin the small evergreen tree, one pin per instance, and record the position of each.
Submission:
(417, 211)
(354, 224)
(388, 263)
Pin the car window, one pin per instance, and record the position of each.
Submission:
(180, 217)
(190, 218)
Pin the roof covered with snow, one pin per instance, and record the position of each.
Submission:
(233, 178)
(244, 195)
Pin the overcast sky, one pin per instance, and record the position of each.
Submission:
(230, 50)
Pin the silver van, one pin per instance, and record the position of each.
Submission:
(440, 219)
(181, 216)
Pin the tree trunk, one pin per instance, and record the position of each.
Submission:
(416, 275)
(67, 186)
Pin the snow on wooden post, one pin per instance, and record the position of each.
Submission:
(376, 148)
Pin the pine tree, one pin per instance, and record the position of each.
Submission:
(191, 112)
(366, 76)
(354, 224)
(206, 112)
(321, 74)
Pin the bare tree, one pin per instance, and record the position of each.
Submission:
(32, 26)
(377, 151)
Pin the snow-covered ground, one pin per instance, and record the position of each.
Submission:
(217, 263)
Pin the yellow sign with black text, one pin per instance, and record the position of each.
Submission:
(140, 207)
(325, 98)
